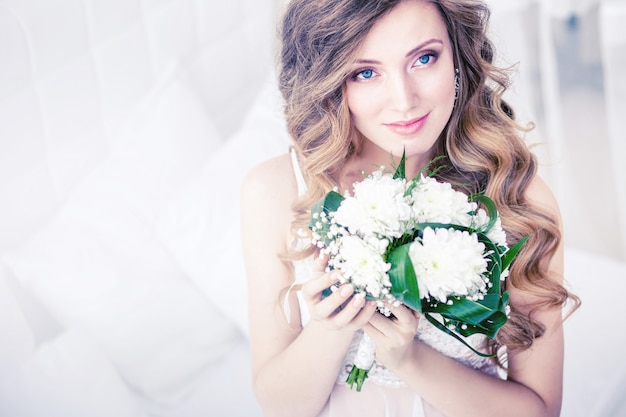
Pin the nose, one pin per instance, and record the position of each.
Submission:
(402, 93)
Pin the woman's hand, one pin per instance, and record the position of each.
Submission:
(341, 310)
(394, 336)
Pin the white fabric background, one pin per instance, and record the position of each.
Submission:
(125, 129)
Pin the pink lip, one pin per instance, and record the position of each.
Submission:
(409, 127)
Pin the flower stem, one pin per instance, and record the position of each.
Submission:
(357, 376)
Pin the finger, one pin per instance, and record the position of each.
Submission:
(380, 322)
(363, 309)
(330, 304)
(402, 313)
(355, 313)
(320, 263)
(402, 319)
(373, 332)
(312, 289)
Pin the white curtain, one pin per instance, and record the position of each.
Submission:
(612, 17)
(569, 55)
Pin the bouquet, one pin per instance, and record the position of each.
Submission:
(421, 243)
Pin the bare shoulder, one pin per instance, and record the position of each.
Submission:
(267, 194)
(270, 187)
(540, 194)
(271, 178)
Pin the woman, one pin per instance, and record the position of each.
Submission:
(363, 82)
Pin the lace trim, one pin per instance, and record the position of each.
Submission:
(434, 338)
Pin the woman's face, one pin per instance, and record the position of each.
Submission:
(400, 91)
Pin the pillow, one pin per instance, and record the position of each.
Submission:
(166, 141)
(201, 223)
(97, 264)
(70, 377)
(226, 389)
(17, 338)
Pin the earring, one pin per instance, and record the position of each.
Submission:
(456, 84)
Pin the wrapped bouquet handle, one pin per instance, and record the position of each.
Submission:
(363, 362)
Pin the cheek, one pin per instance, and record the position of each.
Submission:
(441, 89)
(361, 102)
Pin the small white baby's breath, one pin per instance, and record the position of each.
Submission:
(496, 234)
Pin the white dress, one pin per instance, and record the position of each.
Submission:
(383, 394)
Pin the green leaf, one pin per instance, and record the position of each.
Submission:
(445, 329)
(401, 169)
(491, 208)
(432, 172)
(403, 280)
(495, 263)
(510, 254)
(485, 316)
(327, 204)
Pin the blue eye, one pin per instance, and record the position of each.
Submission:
(366, 74)
(424, 59)
(363, 74)
(428, 58)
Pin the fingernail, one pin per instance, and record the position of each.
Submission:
(346, 290)
(334, 277)
(359, 300)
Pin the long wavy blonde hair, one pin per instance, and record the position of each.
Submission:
(482, 143)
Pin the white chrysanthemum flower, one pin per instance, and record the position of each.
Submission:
(447, 263)
(435, 201)
(362, 264)
(378, 206)
(496, 234)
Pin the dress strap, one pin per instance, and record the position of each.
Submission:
(297, 171)
(302, 267)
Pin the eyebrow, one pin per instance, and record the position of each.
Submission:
(408, 54)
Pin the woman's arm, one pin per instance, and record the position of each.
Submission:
(294, 368)
(535, 376)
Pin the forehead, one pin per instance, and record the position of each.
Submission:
(409, 23)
